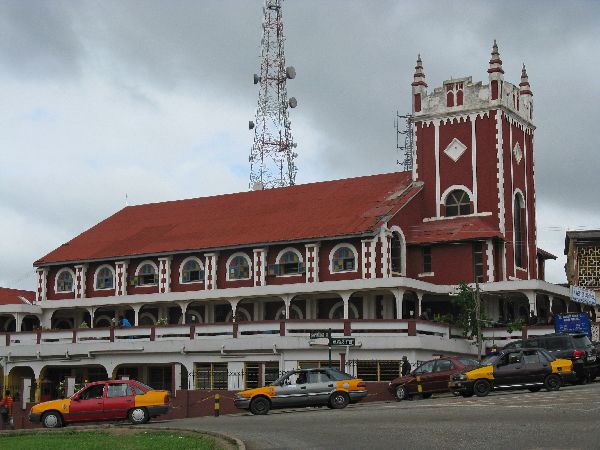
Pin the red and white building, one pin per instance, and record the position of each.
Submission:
(241, 279)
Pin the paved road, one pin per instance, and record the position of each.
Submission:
(567, 419)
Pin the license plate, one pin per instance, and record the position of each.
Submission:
(452, 384)
(592, 358)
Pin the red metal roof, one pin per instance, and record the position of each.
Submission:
(13, 296)
(455, 229)
(353, 206)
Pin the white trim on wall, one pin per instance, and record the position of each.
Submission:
(288, 249)
(455, 187)
(436, 125)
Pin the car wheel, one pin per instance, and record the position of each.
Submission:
(138, 416)
(552, 383)
(339, 400)
(401, 393)
(426, 395)
(481, 388)
(52, 420)
(260, 406)
(535, 388)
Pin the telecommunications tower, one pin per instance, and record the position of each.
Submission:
(272, 154)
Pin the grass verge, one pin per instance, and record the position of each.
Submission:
(121, 438)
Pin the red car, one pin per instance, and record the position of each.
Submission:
(430, 377)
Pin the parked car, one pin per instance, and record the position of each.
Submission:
(304, 387)
(574, 346)
(523, 368)
(429, 378)
(103, 400)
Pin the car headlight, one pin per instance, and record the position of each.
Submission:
(460, 377)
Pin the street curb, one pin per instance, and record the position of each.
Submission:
(237, 443)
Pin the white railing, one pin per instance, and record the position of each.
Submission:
(370, 327)
(249, 330)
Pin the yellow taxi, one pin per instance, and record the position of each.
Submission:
(304, 387)
(103, 400)
(523, 368)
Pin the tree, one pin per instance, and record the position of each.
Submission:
(466, 310)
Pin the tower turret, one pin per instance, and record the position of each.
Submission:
(419, 86)
(526, 94)
(495, 73)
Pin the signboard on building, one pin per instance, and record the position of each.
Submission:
(573, 323)
(319, 334)
(342, 341)
(582, 295)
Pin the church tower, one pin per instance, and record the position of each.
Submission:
(474, 154)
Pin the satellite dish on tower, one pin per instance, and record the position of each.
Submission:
(290, 72)
(293, 102)
(250, 125)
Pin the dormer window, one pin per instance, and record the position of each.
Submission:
(64, 281)
(458, 203)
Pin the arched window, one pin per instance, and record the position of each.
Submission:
(343, 260)
(191, 271)
(105, 278)
(458, 203)
(147, 275)
(239, 268)
(396, 252)
(64, 281)
(290, 263)
(519, 229)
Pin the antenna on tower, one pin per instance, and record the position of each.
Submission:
(272, 155)
(404, 125)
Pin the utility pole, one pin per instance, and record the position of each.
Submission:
(478, 318)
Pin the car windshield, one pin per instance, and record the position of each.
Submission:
(279, 381)
(489, 360)
(468, 362)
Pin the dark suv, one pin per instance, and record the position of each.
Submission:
(574, 346)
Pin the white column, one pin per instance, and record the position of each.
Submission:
(46, 319)
(136, 314)
(91, 310)
(234, 302)
(287, 300)
(399, 296)
(490, 261)
(18, 321)
(346, 299)
(531, 297)
(420, 304)
(164, 275)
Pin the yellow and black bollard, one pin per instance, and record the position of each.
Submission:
(217, 405)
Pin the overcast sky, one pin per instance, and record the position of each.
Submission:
(99, 99)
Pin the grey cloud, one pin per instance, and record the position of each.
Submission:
(355, 62)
